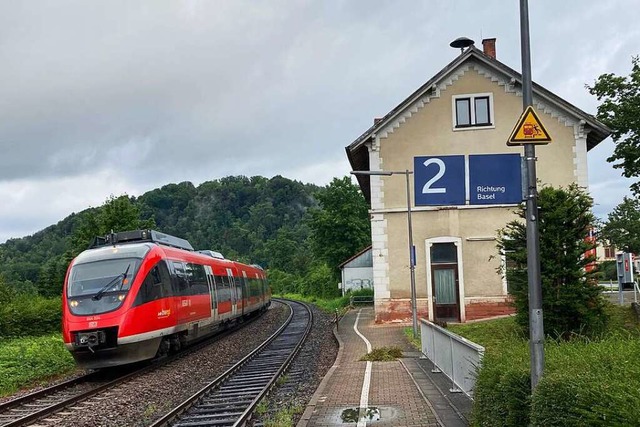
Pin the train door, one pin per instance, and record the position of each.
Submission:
(181, 290)
(234, 295)
(246, 293)
(263, 289)
(212, 292)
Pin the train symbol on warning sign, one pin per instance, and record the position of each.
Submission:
(529, 130)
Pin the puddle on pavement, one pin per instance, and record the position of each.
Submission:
(353, 415)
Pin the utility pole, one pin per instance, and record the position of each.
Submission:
(536, 326)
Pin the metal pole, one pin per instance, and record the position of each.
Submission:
(412, 267)
(536, 326)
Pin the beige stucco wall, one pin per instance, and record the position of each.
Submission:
(429, 132)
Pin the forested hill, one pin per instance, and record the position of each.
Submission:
(277, 222)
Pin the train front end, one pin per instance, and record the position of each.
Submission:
(98, 292)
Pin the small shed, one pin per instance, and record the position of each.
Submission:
(357, 271)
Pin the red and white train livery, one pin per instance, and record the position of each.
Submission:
(137, 294)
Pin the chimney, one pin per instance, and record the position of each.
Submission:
(489, 47)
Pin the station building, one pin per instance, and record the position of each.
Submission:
(451, 135)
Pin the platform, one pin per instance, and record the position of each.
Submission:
(398, 393)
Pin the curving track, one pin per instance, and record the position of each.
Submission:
(231, 399)
(43, 403)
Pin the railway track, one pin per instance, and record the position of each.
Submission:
(34, 406)
(231, 399)
(45, 403)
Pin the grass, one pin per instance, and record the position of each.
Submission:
(284, 417)
(586, 381)
(329, 305)
(491, 334)
(415, 342)
(27, 361)
(383, 354)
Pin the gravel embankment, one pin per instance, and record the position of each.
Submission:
(307, 370)
(145, 399)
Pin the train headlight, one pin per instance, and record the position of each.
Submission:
(120, 297)
(73, 303)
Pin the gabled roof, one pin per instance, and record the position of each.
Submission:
(358, 154)
(368, 248)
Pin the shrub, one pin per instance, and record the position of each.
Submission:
(589, 383)
(503, 388)
(30, 315)
(585, 381)
(571, 298)
(362, 293)
(281, 282)
(24, 361)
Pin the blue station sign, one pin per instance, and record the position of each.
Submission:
(495, 179)
(439, 180)
(475, 179)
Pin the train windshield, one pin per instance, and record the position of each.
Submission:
(100, 286)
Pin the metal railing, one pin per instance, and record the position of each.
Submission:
(361, 300)
(454, 356)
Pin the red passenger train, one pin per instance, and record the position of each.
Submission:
(138, 294)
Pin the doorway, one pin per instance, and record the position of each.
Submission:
(445, 281)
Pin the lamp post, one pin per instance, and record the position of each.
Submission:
(412, 261)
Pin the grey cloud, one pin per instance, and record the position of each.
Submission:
(165, 91)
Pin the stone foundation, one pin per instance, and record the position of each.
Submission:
(485, 309)
(399, 310)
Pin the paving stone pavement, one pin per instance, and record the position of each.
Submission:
(401, 393)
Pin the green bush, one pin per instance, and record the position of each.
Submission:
(585, 381)
(24, 361)
(282, 282)
(590, 383)
(30, 315)
(503, 385)
(361, 293)
(571, 299)
(328, 305)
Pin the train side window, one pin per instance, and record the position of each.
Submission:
(165, 277)
(151, 289)
(224, 288)
(180, 281)
(197, 279)
(214, 299)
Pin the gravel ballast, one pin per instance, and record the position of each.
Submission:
(143, 400)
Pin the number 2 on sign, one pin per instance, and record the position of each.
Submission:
(441, 169)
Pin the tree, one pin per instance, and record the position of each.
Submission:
(571, 298)
(620, 110)
(7, 293)
(622, 228)
(341, 227)
(117, 214)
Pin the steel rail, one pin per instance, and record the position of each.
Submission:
(34, 406)
(231, 398)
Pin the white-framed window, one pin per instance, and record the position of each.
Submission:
(472, 111)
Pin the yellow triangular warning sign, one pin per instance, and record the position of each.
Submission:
(529, 130)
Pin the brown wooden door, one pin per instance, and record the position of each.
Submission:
(446, 294)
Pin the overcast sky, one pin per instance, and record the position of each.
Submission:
(113, 97)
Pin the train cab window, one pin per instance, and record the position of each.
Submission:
(156, 285)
